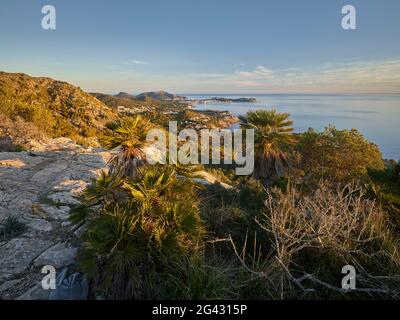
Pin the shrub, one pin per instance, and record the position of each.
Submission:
(337, 155)
(314, 236)
(11, 227)
(193, 279)
(142, 226)
(232, 213)
(129, 135)
(385, 187)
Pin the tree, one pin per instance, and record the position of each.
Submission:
(129, 137)
(337, 155)
(273, 136)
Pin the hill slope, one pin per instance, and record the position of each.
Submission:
(55, 108)
(124, 95)
(159, 95)
(118, 100)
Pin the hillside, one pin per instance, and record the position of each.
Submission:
(156, 95)
(159, 95)
(153, 109)
(54, 108)
(126, 100)
(125, 95)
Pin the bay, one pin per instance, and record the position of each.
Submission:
(376, 116)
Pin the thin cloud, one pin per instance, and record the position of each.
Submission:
(370, 76)
(259, 71)
(352, 77)
(139, 62)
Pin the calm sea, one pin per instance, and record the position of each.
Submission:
(377, 117)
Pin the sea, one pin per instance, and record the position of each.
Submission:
(376, 116)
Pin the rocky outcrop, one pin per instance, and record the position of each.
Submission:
(40, 186)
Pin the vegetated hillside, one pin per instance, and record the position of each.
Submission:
(55, 108)
(125, 95)
(144, 107)
(127, 101)
(130, 101)
(159, 95)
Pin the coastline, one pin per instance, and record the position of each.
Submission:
(355, 111)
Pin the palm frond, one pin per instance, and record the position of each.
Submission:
(273, 135)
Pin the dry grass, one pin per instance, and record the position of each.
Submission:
(327, 229)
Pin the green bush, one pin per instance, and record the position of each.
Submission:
(385, 187)
(337, 155)
(193, 279)
(11, 227)
(232, 213)
(142, 226)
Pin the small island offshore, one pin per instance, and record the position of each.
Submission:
(223, 100)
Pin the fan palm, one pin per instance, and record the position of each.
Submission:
(126, 242)
(273, 134)
(129, 138)
(161, 195)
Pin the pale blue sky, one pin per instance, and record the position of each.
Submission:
(206, 46)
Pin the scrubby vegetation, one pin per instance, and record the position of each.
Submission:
(50, 108)
(385, 187)
(337, 155)
(146, 226)
(316, 201)
(314, 235)
(33, 108)
(319, 201)
(11, 227)
(273, 135)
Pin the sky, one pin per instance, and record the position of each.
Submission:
(224, 46)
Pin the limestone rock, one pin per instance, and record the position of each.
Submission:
(58, 213)
(63, 198)
(40, 186)
(58, 256)
(73, 186)
(35, 293)
(47, 173)
(16, 163)
(18, 253)
(9, 284)
(5, 276)
(205, 178)
(40, 225)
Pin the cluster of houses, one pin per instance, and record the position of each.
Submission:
(194, 124)
(134, 110)
(199, 120)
